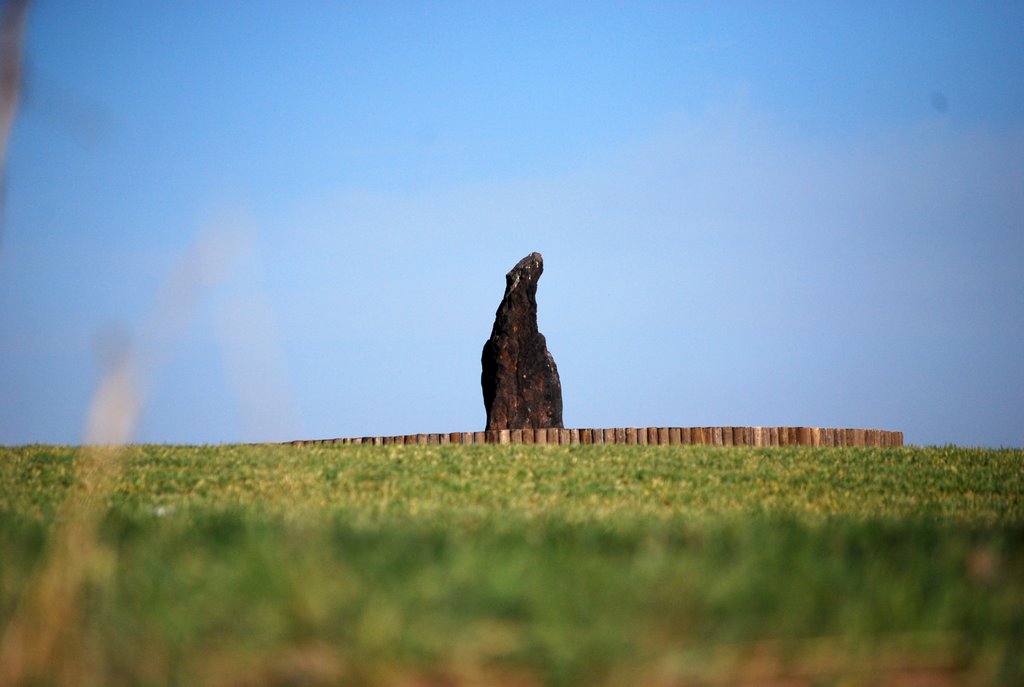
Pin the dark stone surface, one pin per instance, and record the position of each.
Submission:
(519, 379)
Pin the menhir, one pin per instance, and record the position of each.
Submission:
(520, 379)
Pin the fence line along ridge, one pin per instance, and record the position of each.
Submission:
(641, 436)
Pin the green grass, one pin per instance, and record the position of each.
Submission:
(532, 565)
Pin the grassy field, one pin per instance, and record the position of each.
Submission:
(477, 565)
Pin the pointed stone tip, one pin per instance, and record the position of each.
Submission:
(531, 265)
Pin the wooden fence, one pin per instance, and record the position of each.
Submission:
(643, 436)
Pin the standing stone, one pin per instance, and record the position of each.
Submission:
(519, 378)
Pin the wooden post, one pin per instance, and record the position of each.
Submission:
(727, 436)
(552, 436)
(504, 436)
(467, 437)
(479, 437)
(675, 436)
(444, 438)
(563, 437)
(586, 437)
(517, 436)
(574, 437)
(540, 436)
(630, 435)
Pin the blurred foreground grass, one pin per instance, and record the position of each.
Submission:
(453, 565)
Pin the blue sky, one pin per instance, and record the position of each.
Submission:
(297, 217)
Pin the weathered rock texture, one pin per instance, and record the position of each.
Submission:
(519, 378)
